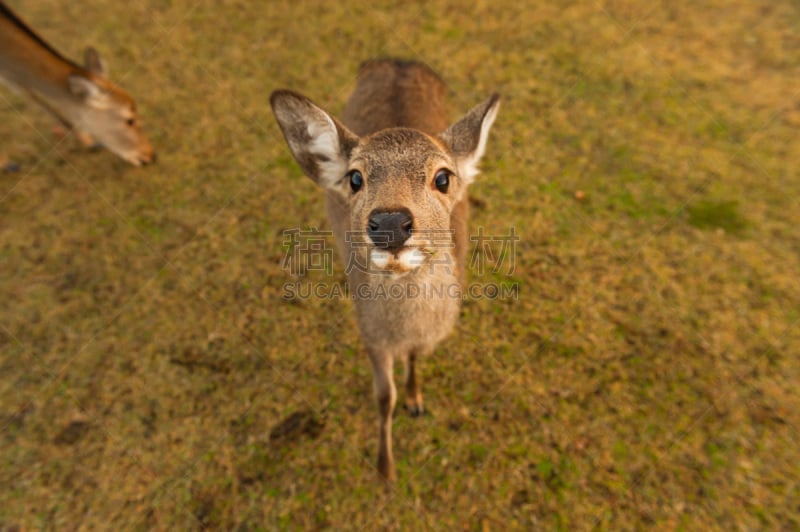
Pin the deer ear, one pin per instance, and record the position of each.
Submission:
(88, 91)
(319, 143)
(467, 137)
(94, 63)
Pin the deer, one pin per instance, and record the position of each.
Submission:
(79, 97)
(395, 175)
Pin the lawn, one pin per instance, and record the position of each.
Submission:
(643, 373)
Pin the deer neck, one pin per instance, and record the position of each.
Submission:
(30, 65)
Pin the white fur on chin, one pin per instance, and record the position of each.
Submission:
(406, 260)
(380, 258)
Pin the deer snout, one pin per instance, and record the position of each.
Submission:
(390, 229)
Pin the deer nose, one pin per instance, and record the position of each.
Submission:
(390, 229)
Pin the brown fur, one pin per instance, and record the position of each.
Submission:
(395, 134)
(79, 97)
(391, 93)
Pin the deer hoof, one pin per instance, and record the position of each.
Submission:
(415, 408)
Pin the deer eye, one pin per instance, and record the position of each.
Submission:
(356, 180)
(442, 180)
(130, 121)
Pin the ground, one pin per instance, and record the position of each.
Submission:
(152, 375)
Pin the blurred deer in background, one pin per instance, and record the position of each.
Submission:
(80, 97)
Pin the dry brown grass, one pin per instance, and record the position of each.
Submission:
(645, 377)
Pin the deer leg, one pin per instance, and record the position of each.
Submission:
(88, 142)
(386, 395)
(413, 391)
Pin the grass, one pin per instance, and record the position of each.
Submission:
(152, 375)
(717, 214)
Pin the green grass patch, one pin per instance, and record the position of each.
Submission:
(711, 214)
